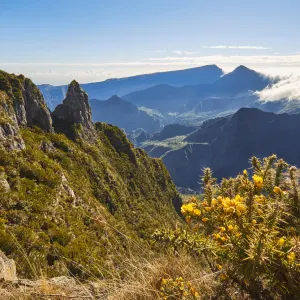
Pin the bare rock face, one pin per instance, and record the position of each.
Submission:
(21, 104)
(9, 128)
(75, 111)
(4, 185)
(37, 112)
(7, 268)
(10, 138)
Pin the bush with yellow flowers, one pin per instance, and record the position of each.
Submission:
(177, 289)
(247, 229)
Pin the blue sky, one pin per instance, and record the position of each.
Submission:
(55, 41)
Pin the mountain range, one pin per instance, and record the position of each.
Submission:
(225, 145)
(124, 115)
(167, 98)
(121, 86)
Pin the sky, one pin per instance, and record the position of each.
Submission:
(55, 41)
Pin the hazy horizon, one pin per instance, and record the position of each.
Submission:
(53, 42)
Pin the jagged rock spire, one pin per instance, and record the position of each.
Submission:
(75, 109)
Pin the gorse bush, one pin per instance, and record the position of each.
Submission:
(247, 229)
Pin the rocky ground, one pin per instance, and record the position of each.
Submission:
(63, 287)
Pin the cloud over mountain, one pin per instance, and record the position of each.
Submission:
(287, 88)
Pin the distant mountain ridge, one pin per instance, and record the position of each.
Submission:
(225, 145)
(123, 114)
(121, 86)
(168, 98)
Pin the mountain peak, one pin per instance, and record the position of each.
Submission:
(75, 109)
(114, 98)
(242, 71)
(242, 68)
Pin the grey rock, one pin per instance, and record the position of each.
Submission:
(37, 112)
(75, 110)
(7, 268)
(63, 281)
(10, 137)
(4, 185)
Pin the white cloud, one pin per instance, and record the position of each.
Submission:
(62, 73)
(184, 52)
(237, 47)
(287, 88)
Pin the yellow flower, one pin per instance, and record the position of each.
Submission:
(214, 202)
(258, 181)
(241, 207)
(245, 172)
(253, 222)
(291, 257)
(222, 229)
(220, 199)
(219, 267)
(188, 219)
(223, 276)
(204, 203)
(208, 208)
(205, 219)
(281, 242)
(197, 212)
(277, 190)
(230, 227)
(216, 236)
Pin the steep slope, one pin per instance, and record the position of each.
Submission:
(167, 98)
(121, 86)
(123, 114)
(75, 206)
(225, 145)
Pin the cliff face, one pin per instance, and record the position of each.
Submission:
(21, 104)
(72, 204)
(75, 110)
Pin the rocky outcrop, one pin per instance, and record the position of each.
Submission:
(7, 268)
(21, 104)
(74, 113)
(9, 128)
(37, 112)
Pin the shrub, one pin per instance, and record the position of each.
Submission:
(247, 228)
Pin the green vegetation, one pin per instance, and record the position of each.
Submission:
(247, 231)
(72, 206)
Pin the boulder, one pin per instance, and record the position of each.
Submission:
(7, 268)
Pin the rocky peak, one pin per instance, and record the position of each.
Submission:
(75, 109)
(37, 112)
(23, 102)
